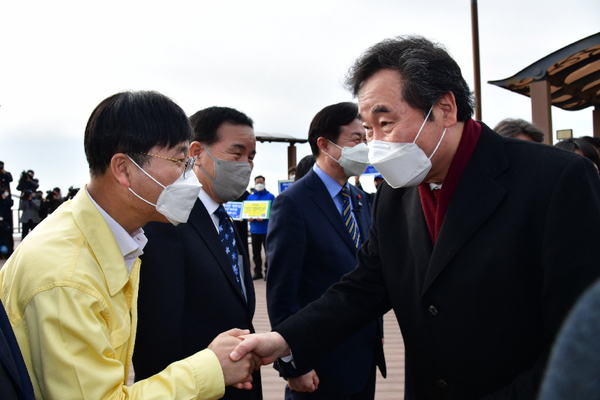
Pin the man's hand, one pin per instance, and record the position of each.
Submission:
(267, 346)
(308, 382)
(238, 374)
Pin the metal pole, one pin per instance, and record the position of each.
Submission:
(476, 69)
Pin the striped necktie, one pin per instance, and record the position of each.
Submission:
(348, 218)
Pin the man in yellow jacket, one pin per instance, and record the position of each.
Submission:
(70, 289)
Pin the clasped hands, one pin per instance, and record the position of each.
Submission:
(240, 353)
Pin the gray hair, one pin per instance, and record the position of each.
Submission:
(511, 127)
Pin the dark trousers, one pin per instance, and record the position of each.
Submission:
(26, 228)
(367, 393)
(258, 240)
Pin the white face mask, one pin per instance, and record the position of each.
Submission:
(259, 187)
(354, 160)
(402, 164)
(177, 199)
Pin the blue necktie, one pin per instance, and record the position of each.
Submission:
(227, 235)
(348, 218)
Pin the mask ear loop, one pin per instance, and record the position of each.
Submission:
(426, 118)
(330, 156)
(438, 145)
(203, 170)
(149, 176)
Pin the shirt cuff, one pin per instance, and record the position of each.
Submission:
(208, 374)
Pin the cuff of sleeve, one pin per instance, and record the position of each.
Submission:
(208, 374)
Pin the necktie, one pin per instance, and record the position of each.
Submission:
(227, 235)
(348, 218)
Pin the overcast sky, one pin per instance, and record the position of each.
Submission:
(280, 62)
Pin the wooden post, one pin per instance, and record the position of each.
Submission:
(596, 119)
(291, 156)
(476, 66)
(541, 114)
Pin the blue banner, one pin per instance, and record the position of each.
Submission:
(284, 184)
(234, 209)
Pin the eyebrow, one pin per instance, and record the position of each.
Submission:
(379, 109)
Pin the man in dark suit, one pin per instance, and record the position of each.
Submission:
(14, 378)
(481, 276)
(195, 284)
(310, 247)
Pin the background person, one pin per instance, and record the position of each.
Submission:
(29, 206)
(581, 147)
(259, 227)
(520, 129)
(5, 177)
(316, 227)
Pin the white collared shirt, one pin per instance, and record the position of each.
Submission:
(131, 246)
(211, 206)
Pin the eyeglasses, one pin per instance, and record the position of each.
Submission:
(189, 164)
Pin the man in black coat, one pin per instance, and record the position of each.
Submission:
(479, 243)
(189, 290)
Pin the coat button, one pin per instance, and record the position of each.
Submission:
(433, 310)
(442, 383)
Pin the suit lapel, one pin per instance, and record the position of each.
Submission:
(475, 199)
(204, 226)
(418, 233)
(325, 203)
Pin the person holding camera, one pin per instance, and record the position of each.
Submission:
(29, 206)
(27, 181)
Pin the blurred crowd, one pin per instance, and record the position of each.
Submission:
(33, 206)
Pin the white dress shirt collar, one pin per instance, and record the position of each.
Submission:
(131, 246)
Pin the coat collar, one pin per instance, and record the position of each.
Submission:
(476, 198)
(101, 240)
(321, 197)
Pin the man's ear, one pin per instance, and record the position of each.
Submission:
(196, 149)
(323, 144)
(447, 103)
(120, 166)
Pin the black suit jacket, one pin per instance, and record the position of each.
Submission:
(188, 295)
(14, 379)
(308, 250)
(478, 311)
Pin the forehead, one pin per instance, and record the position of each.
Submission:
(236, 135)
(354, 128)
(382, 90)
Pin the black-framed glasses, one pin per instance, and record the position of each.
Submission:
(189, 163)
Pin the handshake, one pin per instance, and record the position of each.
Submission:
(240, 353)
